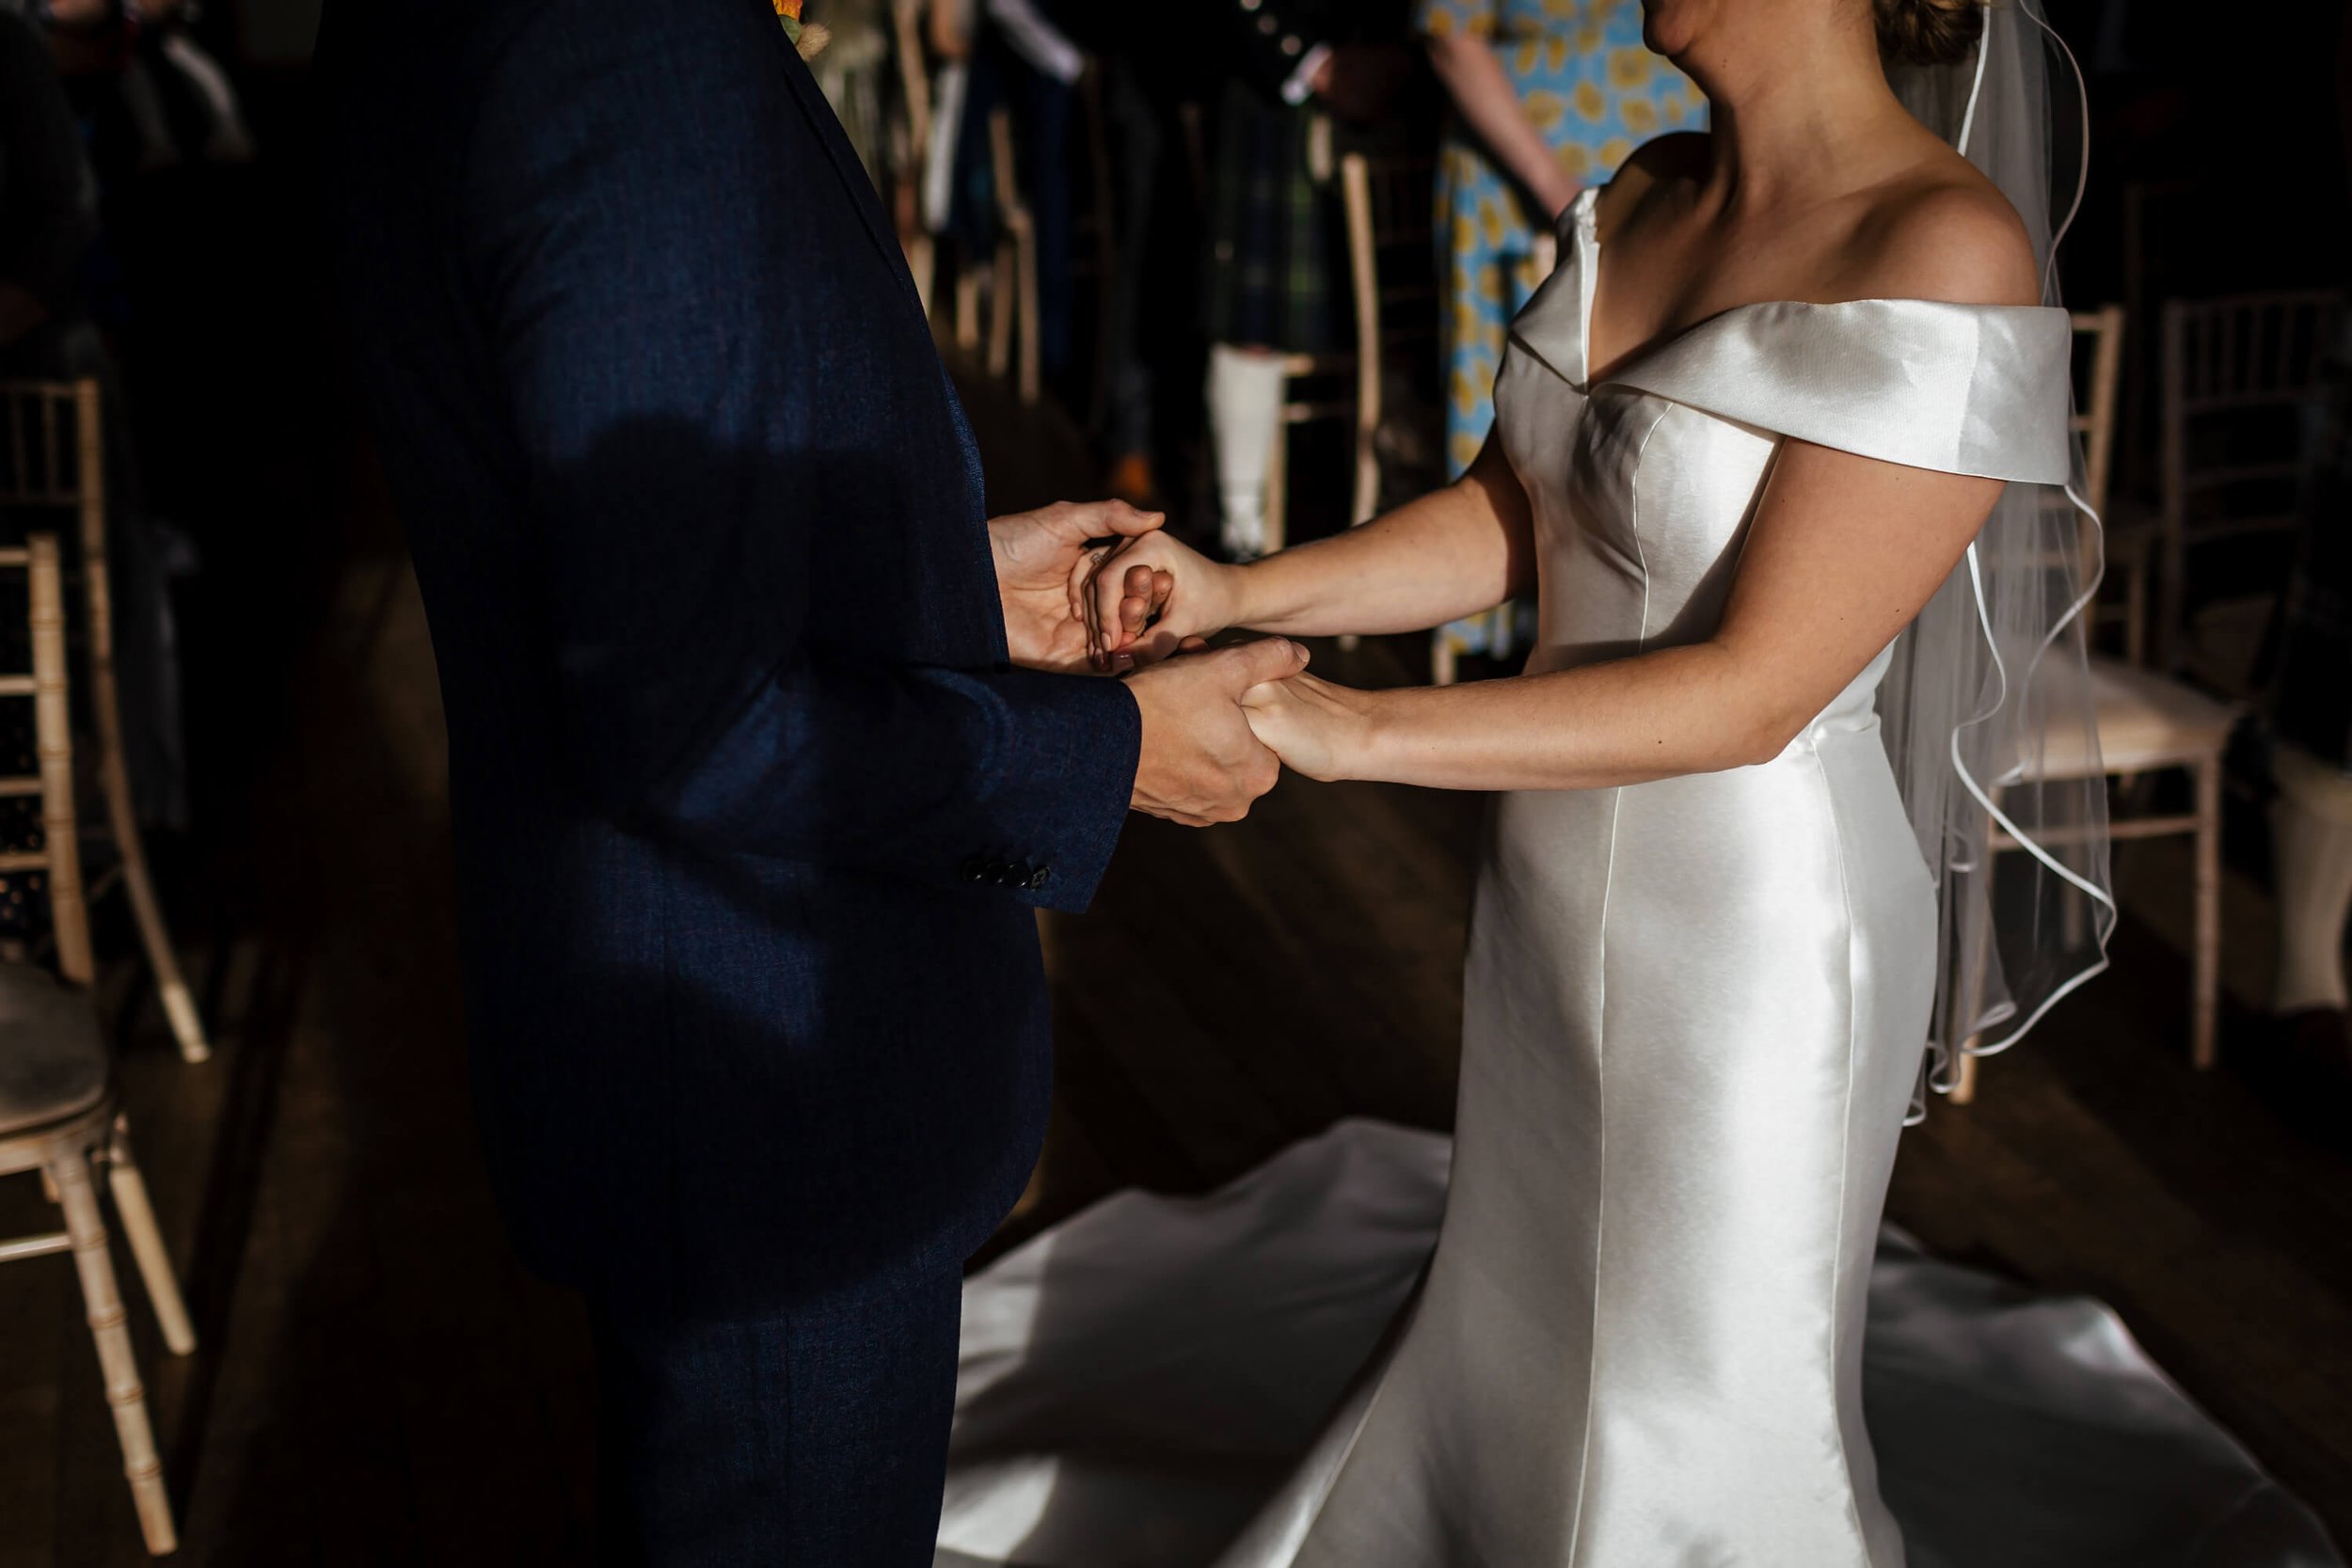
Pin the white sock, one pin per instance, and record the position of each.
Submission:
(1244, 418)
(2312, 845)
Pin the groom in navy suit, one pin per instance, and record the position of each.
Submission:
(759, 762)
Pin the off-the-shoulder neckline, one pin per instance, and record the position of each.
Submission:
(1586, 233)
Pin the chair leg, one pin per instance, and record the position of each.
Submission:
(2207, 1002)
(171, 987)
(967, 307)
(922, 263)
(1965, 1082)
(1030, 363)
(1003, 286)
(1278, 489)
(1975, 952)
(107, 1327)
(147, 1241)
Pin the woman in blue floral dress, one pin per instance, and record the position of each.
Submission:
(1549, 96)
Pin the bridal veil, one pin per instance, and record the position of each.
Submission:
(1987, 710)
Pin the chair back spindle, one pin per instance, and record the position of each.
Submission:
(57, 470)
(57, 857)
(2238, 374)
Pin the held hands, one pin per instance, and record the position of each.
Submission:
(1200, 763)
(1153, 598)
(1318, 729)
(1046, 561)
(1153, 595)
(1217, 727)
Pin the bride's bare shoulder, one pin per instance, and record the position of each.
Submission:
(1678, 158)
(1947, 234)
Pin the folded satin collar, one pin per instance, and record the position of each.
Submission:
(1981, 390)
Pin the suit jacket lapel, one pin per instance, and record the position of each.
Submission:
(845, 162)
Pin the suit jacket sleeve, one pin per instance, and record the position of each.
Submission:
(666, 260)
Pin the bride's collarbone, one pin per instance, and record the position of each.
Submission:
(1662, 269)
(1649, 290)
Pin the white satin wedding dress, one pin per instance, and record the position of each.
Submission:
(1695, 1012)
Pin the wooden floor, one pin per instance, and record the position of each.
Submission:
(379, 1384)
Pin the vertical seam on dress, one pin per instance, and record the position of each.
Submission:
(1600, 1033)
(1845, 1154)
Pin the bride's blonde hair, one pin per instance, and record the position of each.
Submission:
(1928, 32)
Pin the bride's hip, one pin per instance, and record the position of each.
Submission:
(1821, 826)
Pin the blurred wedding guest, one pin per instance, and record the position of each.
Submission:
(1149, 66)
(1299, 74)
(852, 68)
(1147, 70)
(2310, 713)
(1014, 55)
(1549, 96)
(48, 219)
(171, 81)
(155, 96)
(48, 205)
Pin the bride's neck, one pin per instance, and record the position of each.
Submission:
(1787, 109)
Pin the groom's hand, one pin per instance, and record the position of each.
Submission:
(1201, 764)
(1043, 561)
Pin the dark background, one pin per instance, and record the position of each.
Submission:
(379, 1383)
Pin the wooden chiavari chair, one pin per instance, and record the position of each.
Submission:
(1391, 238)
(1012, 302)
(53, 460)
(57, 1110)
(1094, 233)
(2238, 376)
(915, 92)
(2161, 220)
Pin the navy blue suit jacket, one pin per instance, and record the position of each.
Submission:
(699, 527)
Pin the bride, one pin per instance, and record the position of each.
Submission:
(1781, 451)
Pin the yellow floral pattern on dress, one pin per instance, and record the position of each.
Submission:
(1587, 83)
(1594, 93)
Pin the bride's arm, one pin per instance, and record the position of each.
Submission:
(1843, 551)
(1454, 552)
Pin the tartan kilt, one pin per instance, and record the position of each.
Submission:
(1275, 245)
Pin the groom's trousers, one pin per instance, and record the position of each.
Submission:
(812, 1438)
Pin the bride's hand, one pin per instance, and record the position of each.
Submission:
(1151, 594)
(1316, 728)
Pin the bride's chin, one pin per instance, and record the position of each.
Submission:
(1668, 26)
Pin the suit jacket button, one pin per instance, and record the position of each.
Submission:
(1038, 877)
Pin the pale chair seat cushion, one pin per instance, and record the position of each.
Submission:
(53, 1057)
(2146, 721)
